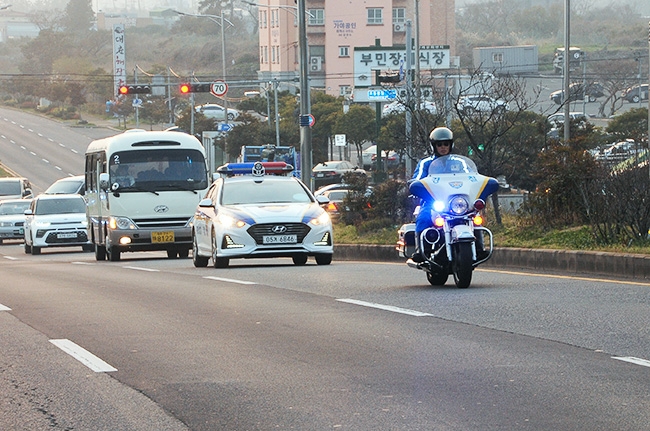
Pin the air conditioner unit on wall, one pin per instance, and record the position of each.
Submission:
(315, 64)
(399, 28)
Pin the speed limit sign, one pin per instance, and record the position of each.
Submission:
(219, 88)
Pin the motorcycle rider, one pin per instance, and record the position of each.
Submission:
(441, 140)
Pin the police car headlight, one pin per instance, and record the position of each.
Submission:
(322, 219)
(120, 223)
(228, 221)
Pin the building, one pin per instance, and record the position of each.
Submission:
(14, 25)
(506, 60)
(335, 28)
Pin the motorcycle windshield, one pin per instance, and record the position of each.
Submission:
(452, 164)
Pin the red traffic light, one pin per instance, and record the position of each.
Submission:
(185, 88)
(194, 87)
(133, 89)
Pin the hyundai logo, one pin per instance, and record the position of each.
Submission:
(279, 229)
(161, 209)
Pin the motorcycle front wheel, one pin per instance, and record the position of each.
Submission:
(462, 264)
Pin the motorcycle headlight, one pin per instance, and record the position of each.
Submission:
(458, 205)
(438, 206)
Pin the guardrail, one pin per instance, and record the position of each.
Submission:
(619, 265)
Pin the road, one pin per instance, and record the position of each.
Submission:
(268, 345)
(44, 150)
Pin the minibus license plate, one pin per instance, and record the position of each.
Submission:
(165, 236)
(280, 239)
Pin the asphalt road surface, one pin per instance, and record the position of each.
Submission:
(354, 345)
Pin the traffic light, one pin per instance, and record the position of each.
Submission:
(134, 89)
(194, 87)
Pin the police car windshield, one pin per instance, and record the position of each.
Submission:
(263, 192)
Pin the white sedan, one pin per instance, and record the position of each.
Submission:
(252, 212)
(218, 112)
(56, 221)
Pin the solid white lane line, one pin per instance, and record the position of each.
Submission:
(4, 308)
(633, 360)
(386, 307)
(84, 356)
(230, 280)
(10, 257)
(139, 268)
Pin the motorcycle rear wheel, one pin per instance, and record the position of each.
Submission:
(462, 264)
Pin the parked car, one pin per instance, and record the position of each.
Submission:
(56, 221)
(366, 156)
(390, 160)
(557, 120)
(251, 212)
(335, 205)
(635, 93)
(67, 185)
(592, 91)
(398, 107)
(218, 112)
(332, 172)
(12, 218)
(15, 188)
(618, 151)
(480, 103)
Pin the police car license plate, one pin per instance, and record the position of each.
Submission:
(66, 235)
(164, 236)
(280, 239)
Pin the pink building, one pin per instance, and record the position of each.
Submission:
(336, 27)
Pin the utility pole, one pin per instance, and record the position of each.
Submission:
(408, 167)
(305, 130)
(566, 74)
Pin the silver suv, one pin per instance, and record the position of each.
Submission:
(477, 103)
(15, 188)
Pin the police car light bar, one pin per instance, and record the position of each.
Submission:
(255, 168)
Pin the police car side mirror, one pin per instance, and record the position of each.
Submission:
(206, 203)
(322, 199)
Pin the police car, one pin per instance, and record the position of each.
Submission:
(256, 210)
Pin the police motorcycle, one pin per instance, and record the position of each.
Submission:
(456, 242)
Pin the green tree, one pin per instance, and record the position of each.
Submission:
(250, 131)
(632, 124)
(326, 110)
(78, 16)
(358, 125)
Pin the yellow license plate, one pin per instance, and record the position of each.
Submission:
(165, 236)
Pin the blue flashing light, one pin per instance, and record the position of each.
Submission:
(257, 169)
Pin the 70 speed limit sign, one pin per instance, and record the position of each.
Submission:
(219, 88)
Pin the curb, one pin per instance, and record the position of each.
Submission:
(619, 265)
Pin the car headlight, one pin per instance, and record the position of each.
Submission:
(322, 219)
(228, 221)
(458, 205)
(121, 223)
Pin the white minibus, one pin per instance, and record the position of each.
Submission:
(142, 189)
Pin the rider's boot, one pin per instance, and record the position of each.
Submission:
(418, 257)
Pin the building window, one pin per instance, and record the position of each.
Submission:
(399, 15)
(316, 16)
(274, 18)
(344, 51)
(497, 57)
(263, 21)
(375, 16)
(273, 58)
(345, 90)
